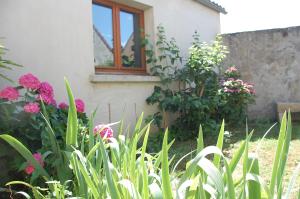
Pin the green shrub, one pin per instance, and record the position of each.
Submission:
(107, 167)
(20, 117)
(196, 93)
(235, 95)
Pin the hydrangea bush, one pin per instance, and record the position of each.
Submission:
(22, 106)
(235, 95)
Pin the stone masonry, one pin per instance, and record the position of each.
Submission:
(270, 59)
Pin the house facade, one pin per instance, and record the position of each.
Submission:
(96, 45)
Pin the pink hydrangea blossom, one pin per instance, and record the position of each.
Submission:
(46, 89)
(9, 93)
(231, 69)
(32, 107)
(53, 103)
(228, 90)
(30, 168)
(46, 98)
(46, 93)
(79, 105)
(63, 105)
(250, 87)
(29, 81)
(103, 130)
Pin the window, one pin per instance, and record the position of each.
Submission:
(118, 38)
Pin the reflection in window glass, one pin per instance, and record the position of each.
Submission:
(130, 39)
(103, 35)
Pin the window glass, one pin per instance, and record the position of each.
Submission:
(130, 39)
(103, 36)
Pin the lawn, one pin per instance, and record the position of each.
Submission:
(265, 151)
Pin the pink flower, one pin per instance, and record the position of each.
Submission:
(63, 105)
(29, 81)
(53, 102)
(46, 89)
(103, 130)
(79, 105)
(46, 93)
(250, 88)
(32, 108)
(228, 90)
(9, 93)
(30, 168)
(231, 69)
(46, 99)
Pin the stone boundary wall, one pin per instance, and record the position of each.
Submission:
(270, 59)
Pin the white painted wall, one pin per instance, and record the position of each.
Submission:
(54, 38)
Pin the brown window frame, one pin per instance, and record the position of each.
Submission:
(118, 68)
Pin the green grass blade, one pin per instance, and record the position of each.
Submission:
(87, 178)
(259, 180)
(91, 130)
(138, 124)
(37, 194)
(25, 153)
(229, 181)
(253, 187)
(292, 182)
(72, 126)
(238, 154)
(145, 173)
(278, 155)
(214, 174)
(285, 152)
(220, 141)
(200, 143)
(166, 183)
(110, 182)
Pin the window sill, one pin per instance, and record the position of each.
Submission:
(109, 78)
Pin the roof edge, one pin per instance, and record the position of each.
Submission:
(212, 5)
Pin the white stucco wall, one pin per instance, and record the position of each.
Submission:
(54, 38)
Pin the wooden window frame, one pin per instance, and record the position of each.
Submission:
(118, 68)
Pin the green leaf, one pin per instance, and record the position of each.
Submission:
(220, 141)
(72, 126)
(88, 179)
(144, 168)
(278, 155)
(110, 182)
(253, 186)
(25, 153)
(166, 183)
(200, 143)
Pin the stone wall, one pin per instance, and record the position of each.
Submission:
(271, 60)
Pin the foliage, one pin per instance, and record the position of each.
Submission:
(117, 168)
(235, 96)
(21, 118)
(5, 64)
(193, 92)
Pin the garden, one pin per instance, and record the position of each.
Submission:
(57, 150)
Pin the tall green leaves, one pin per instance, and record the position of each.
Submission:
(18, 146)
(219, 145)
(72, 126)
(5, 64)
(121, 167)
(165, 175)
(281, 155)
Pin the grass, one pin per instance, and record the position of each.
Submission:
(265, 153)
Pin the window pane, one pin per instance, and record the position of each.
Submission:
(130, 39)
(103, 36)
